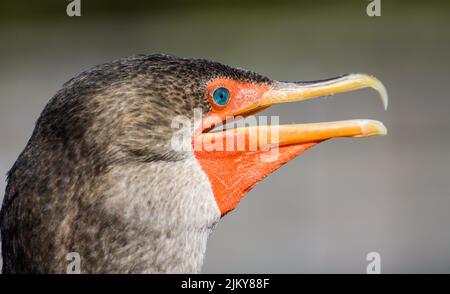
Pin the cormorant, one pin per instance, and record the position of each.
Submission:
(102, 176)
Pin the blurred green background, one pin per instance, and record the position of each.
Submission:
(324, 211)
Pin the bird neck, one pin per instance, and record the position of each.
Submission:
(161, 213)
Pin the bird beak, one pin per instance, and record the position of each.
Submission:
(284, 92)
(258, 150)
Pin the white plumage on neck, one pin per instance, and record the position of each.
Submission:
(170, 209)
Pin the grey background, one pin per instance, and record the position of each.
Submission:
(325, 210)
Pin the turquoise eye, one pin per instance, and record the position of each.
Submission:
(221, 96)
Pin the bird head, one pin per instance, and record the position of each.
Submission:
(235, 159)
(134, 106)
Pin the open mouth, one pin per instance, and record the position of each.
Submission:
(257, 137)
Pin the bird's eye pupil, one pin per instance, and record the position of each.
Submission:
(221, 96)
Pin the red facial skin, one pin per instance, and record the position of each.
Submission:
(233, 173)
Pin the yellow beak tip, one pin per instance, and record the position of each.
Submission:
(371, 128)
